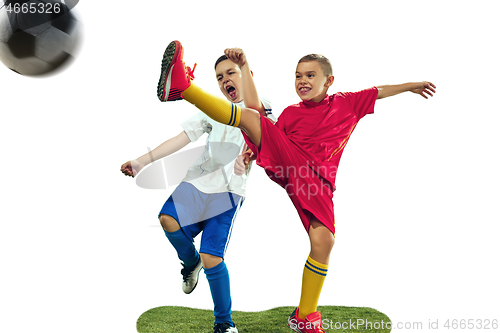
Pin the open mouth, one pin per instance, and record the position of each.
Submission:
(231, 91)
(304, 90)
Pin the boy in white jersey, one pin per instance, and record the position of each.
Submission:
(210, 195)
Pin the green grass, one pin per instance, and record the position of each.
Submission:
(167, 319)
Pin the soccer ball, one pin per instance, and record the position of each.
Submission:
(38, 36)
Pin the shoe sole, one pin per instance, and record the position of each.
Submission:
(171, 53)
(292, 324)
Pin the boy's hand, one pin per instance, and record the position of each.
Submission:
(237, 56)
(424, 88)
(241, 163)
(131, 168)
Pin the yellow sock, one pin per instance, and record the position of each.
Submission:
(217, 108)
(312, 283)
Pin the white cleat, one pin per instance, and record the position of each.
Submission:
(224, 328)
(190, 277)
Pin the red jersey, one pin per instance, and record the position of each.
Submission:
(302, 152)
(321, 130)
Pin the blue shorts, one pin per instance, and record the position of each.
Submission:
(195, 211)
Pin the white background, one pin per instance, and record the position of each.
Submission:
(417, 200)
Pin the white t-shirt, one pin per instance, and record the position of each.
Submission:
(213, 171)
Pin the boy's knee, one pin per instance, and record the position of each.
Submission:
(250, 124)
(325, 240)
(209, 260)
(249, 117)
(321, 246)
(322, 240)
(330, 241)
(168, 223)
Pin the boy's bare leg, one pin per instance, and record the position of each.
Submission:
(168, 223)
(322, 241)
(250, 124)
(224, 112)
(210, 260)
(316, 267)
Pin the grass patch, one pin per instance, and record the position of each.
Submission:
(167, 319)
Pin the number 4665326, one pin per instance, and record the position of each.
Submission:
(477, 324)
(41, 8)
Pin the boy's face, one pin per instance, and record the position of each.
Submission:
(229, 78)
(311, 83)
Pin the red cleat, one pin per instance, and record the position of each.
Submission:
(175, 75)
(311, 324)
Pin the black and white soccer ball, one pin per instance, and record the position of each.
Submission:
(38, 36)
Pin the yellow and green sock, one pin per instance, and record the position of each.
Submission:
(312, 283)
(217, 108)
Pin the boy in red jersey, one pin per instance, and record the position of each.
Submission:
(301, 152)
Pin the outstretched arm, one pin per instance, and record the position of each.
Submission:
(250, 95)
(424, 88)
(132, 168)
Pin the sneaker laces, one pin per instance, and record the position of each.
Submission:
(186, 272)
(190, 72)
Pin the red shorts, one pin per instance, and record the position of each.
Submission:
(286, 164)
